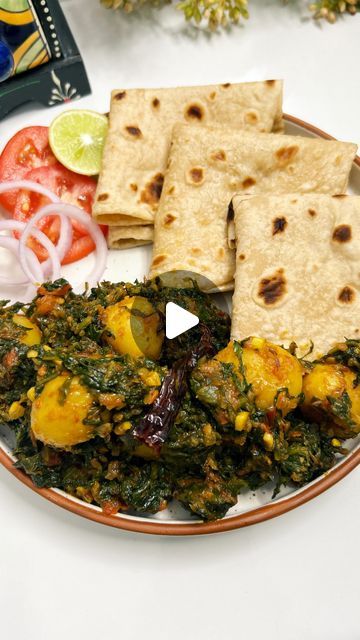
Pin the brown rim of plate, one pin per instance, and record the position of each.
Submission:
(260, 514)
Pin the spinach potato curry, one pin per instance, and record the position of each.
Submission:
(106, 408)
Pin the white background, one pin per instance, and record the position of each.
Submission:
(293, 578)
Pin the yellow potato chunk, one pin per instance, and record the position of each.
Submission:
(329, 393)
(228, 355)
(134, 325)
(33, 334)
(241, 421)
(269, 368)
(274, 374)
(57, 419)
(16, 410)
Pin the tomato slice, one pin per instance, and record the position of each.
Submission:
(71, 188)
(27, 149)
(80, 248)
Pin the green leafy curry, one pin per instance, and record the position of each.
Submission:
(106, 408)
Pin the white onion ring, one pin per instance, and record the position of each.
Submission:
(15, 225)
(12, 225)
(65, 237)
(29, 185)
(91, 227)
(12, 245)
(29, 262)
(47, 244)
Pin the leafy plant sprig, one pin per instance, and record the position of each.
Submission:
(215, 12)
(329, 9)
(220, 13)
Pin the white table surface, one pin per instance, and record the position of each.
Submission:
(292, 578)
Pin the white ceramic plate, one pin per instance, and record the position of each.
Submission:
(252, 507)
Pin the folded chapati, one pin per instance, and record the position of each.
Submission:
(140, 126)
(132, 236)
(297, 269)
(208, 166)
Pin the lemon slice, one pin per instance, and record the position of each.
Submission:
(77, 140)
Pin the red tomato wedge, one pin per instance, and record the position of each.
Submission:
(80, 248)
(27, 149)
(28, 156)
(71, 188)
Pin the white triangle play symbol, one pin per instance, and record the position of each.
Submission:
(178, 320)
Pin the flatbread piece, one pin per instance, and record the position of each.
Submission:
(140, 126)
(297, 269)
(131, 236)
(208, 166)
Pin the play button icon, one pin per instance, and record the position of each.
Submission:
(171, 295)
(178, 320)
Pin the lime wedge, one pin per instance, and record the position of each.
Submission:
(77, 139)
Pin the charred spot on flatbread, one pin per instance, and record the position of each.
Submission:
(340, 195)
(270, 83)
(194, 112)
(226, 85)
(196, 251)
(134, 131)
(152, 192)
(171, 190)
(158, 260)
(156, 103)
(272, 288)
(312, 213)
(248, 182)
(169, 219)
(242, 256)
(342, 233)
(346, 295)
(133, 187)
(120, 96)
(218, 155)
(251, 117)
(212, 95)
(284, 155)
(196, 175)
(102, 196)
(279, 225)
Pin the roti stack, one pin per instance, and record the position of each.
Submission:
(297, 270)
(137, 146)
(207, 166)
